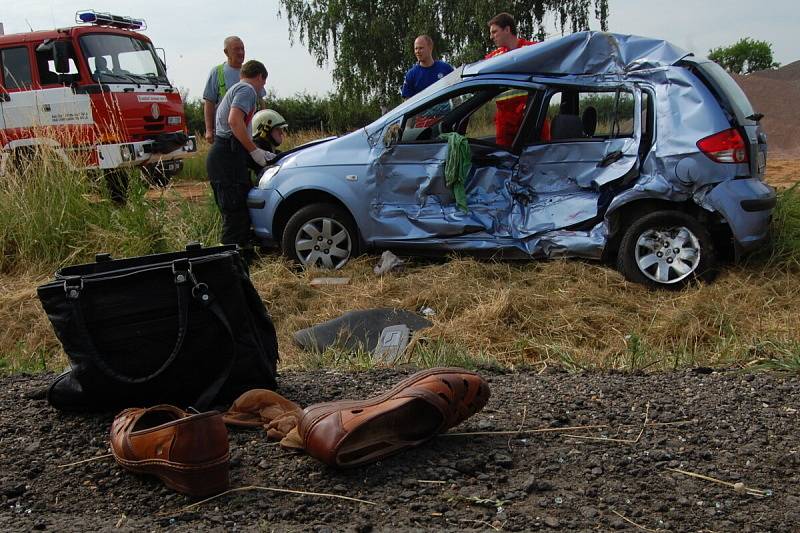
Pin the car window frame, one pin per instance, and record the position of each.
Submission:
(534, 91)
(553, 89)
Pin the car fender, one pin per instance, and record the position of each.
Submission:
(349, 185)
(747, 206)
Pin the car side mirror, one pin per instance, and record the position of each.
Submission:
(392, 135)
(61, 56)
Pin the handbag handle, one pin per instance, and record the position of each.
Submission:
(200, 292)
(181, 283)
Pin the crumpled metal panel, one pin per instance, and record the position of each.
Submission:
(398, 195)
(583, 53)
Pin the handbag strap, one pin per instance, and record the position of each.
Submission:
(183, 274)
(204, 295)
(182, 277)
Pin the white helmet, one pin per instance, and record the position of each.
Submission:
(265, 120)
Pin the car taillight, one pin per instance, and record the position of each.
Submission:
(725, 147)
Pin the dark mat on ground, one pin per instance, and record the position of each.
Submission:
(729, 426)
(357, 330)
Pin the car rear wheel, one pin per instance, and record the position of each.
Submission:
(320, 235)
(666, 249)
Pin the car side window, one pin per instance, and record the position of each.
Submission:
(16, 68)
(491, 115)
(578, 115)
(426, 124)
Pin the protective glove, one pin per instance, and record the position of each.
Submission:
(262, 157)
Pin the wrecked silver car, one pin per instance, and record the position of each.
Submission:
(595, 145)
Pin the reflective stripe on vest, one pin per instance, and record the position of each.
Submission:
(221, 81)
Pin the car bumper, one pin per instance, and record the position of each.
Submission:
(747, 205)
(262, 204)
(138, 153)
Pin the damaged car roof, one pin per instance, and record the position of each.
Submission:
(583, 53)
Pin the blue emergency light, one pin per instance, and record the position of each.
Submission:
(107, 19)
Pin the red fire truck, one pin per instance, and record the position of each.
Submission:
(97, 94)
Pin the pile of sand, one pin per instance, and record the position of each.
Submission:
(776, 94)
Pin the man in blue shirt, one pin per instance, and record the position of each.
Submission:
(427, 71)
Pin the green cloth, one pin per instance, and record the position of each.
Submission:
(457, 165)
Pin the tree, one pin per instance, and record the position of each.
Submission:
(744, 57)
(369, 41)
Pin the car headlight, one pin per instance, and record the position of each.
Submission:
(126, 152)
(263, 182)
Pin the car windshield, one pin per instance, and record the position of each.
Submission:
(122, 59)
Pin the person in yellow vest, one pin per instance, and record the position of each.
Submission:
(220, 79)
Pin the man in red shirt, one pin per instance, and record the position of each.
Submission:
(511, 106)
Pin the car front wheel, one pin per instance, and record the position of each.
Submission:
(320, 235)
(666, 249)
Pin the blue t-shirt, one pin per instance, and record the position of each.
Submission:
(419, 78)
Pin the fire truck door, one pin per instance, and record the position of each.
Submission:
(60, 106)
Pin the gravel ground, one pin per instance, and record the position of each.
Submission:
(733, 427)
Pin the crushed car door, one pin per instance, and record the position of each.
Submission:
(588, 138)
(413, 202)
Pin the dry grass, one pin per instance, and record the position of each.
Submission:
(568, 313)
(573, 314)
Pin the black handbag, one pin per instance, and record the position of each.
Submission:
(184, 328)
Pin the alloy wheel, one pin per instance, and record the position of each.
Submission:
(668, 255)
(323, 242)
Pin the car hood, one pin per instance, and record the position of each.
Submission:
(350, 149)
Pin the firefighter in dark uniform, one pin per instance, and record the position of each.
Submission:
(232, 151)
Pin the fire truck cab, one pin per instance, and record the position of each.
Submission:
(98, 94)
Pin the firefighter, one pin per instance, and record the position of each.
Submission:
(231, 152)
(269, 130)
(510, 108)
(220, 79)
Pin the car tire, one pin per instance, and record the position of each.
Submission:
(666, 249)
(321, 235)
(158, 176)
(117, 185)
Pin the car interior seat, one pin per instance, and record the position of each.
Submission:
(589, 120)
(566, 127)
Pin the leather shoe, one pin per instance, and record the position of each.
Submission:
(189, 453)
(351, 433)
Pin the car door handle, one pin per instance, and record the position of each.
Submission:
(5, 97)
(613, 157)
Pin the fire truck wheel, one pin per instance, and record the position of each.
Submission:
(117, 185)
(158, 176)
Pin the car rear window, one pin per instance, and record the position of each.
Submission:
(724, 83)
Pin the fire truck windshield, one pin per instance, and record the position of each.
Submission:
(122, 59)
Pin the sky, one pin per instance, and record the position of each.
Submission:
(192, 32)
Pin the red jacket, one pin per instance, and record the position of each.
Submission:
(503, 49)
(511, 108)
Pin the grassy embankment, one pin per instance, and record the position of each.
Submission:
(574, 314)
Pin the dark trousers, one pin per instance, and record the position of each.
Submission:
(227, 166)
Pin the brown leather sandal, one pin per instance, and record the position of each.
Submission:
(351, 433)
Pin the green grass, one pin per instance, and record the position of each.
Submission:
(52, 215)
